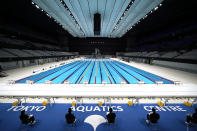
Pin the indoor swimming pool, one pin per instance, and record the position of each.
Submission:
(95, 71)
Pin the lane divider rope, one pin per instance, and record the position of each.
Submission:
(106, 73)
(85, 72)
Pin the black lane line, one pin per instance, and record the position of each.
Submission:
(62, 73)
(110, 73)
(53, 73)
(73, 72)
(100, 71)
(82, 72)
(91, 73)
(85, 73)
(127, 72)
(151, 74)
(119, 74)
(139, 73)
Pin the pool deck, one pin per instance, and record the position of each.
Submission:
(187, 88)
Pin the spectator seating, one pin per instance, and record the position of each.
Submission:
(9, 53)
(4, 54)
(171, 54)
(19, 53)
(189, 55)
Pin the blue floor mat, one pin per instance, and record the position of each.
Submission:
(52, 118)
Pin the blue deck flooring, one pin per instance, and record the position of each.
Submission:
(52, 118)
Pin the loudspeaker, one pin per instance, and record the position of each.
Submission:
(97, 24)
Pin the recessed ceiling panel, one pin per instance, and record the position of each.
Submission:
(117, 16)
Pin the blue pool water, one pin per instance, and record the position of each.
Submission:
(95, 71)
(52, 118)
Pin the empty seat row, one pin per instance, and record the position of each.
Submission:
(192, 55)
(10, 53)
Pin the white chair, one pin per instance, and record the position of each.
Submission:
(79, 100)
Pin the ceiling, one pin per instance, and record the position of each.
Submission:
(15, 13)
(22, 12)
(171, 14)
(117, 16)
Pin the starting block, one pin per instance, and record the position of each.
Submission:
(140, 82)
(130, 103)
(104, 82)
(159, 82)
(160, 103)
(85, 82)
(73, 103)
(123, 82)
(44, 103)
(11, 81)
(29, 82)
(100, 103)
(15, 103)
(66, 82)
(177, 82)
(48, 82)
